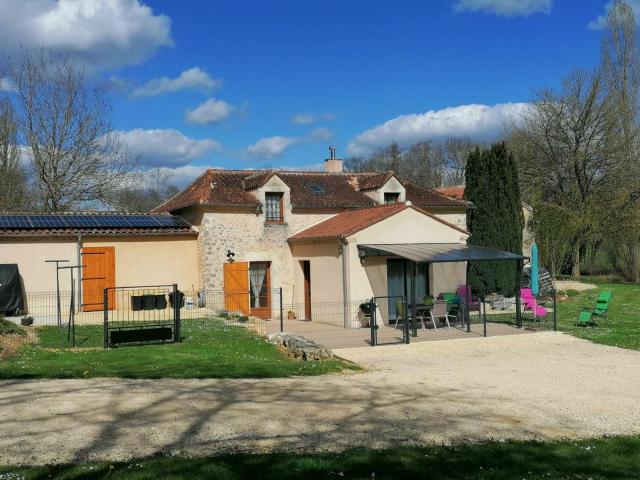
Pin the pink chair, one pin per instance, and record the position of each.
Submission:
(530, 303)
(464, 292)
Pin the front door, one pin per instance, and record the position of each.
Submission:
(98, 273)
(306, 270)
(260, 289)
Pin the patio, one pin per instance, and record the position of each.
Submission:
(334, 336)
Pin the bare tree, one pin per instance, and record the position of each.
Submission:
(457, 149)
(66, 123)
(143, 198)
(13, 181)
(569, 150)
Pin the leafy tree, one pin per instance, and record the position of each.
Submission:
(496, 219)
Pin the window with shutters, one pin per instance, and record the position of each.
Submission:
(274, 207)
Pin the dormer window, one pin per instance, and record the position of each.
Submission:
(391, 197)
(274, 207)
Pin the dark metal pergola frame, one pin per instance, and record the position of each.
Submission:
(430, 253)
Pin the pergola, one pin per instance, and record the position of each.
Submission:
(429, 253)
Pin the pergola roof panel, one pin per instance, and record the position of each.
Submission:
(437, 252)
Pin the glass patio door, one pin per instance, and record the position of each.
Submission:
(399, 283)
(260, 289)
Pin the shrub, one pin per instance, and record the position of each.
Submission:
(10, 328)
(26, 321)
(243, 319)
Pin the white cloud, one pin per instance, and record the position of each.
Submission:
(102, 34)
(320, 134)
(210, 111)
(193, 79)
(166, 147)
(271, 147)
(506, 8)
(474, 121)
(601, 20)
(310, 118)
(6, 85)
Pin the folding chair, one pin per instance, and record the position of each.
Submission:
(439, 311)
(401, 313)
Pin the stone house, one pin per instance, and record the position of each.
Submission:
(300, 231)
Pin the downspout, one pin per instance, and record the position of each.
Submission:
(79, 262)
(344, 251)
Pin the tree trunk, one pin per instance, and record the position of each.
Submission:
(575, 268)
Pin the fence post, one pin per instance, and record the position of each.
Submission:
(372, 322)
(518, 285)
(281, 311)
(176, 314)
(484, 316)
(405, 330)
(105, 303)
(555, 314)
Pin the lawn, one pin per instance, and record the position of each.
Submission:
(623, 329)
(210, 349)
(610, 458)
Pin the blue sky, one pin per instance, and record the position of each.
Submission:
(249, 84)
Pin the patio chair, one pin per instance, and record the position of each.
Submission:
(464, 292)
(440, 311)
(401, 313)
(530, 303)
(601, 310)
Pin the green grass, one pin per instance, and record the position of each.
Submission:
(615, 458)
(623, 329)
(10, 328)
(210, 349)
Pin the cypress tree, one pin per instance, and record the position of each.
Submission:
(495, 220)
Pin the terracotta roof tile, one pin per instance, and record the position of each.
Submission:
(456, 191)
(347, 223)
(373, 181)
(308, 190)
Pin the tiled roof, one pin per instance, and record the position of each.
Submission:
(308, 190)
(373, 181)
(457, 191)
(424, 197)
(347, 223)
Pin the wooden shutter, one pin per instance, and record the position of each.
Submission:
(98, 273)
(236, 287)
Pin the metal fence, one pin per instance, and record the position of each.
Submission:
(369, 321)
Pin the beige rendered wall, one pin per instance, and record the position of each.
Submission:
(369, 277)
(458, 217)
(153, 260)
(30, 255)
(325, 262)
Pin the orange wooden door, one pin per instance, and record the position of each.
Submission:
(98, 273)
(236, 287)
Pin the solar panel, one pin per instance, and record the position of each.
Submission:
(46, 221)
(170, 221)
(14, 221)
(37, 221)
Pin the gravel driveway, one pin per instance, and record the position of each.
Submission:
(544, 385)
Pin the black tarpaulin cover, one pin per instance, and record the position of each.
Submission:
(11, 299)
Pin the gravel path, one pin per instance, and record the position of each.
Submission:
(544, 385)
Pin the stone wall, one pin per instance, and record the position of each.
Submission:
(246, 234)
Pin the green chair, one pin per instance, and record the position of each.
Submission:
(585, 319)
(401, 313)
(601, 310)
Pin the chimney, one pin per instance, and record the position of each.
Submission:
(333, 164)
